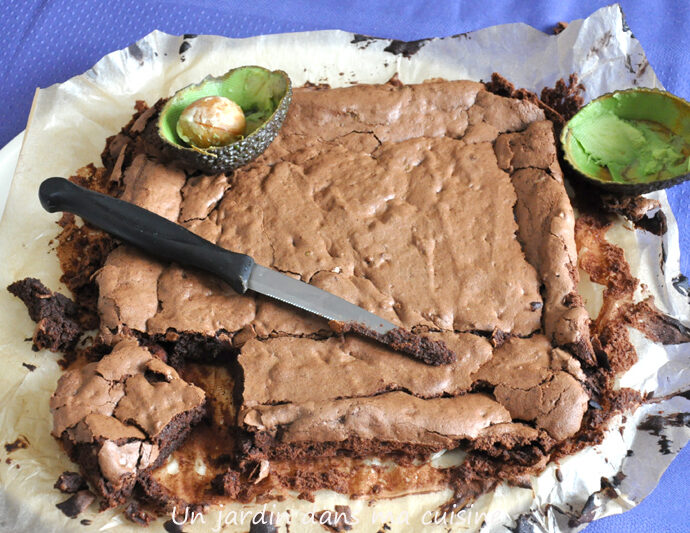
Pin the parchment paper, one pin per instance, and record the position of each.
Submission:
(67, 129)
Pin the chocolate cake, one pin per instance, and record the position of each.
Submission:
(438, 206)
(120, 418)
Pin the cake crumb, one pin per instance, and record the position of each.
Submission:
(171, 527)
(263, 523)
(75, 504)
(56, 316)
(559, 27)
(566, 98)
(70, 482)
(338, 520)
(227, 484)
(136, 514)
(19, 443)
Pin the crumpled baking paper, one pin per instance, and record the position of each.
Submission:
(67, 129)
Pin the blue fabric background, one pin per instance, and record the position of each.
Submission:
(49, 41)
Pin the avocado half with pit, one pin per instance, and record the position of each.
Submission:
(264, 97)
(630, 142)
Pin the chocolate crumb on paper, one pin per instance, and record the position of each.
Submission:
(70, 482)
(56, 316)
(263, 523)
(316, 86)
(362, 41)
(338, 520)
(75, 504)
(171, 527)
(405, 48)
(136, 514)
(19, 443)
(559, 27)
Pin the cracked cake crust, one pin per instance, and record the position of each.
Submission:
(389, 196)
(120, 417)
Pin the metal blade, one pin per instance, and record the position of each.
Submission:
(294, 292)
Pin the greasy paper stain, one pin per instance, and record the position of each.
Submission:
(405, 48)
(654, 424)
(136, 52)
(184, 47)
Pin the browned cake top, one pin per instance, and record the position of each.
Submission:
(418, 203)
(121, 404)
(531, 382)
(384, 196)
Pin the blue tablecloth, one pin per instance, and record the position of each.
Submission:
(48, 41)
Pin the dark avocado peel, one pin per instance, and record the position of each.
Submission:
(630, 142)
(264, 97)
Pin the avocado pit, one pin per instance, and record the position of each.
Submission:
(211, 121)
(223, 122)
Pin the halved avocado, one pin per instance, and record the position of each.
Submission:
(264, 97)
(630, 142)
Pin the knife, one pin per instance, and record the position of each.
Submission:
(168, 240)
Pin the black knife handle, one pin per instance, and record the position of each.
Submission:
(146, 230)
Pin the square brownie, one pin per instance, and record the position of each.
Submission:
(120, 418)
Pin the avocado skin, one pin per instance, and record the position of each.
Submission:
(224, 158)
(629, 189)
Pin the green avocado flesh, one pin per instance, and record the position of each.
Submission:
(257, 91)
(631, 137)
(264, 97)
